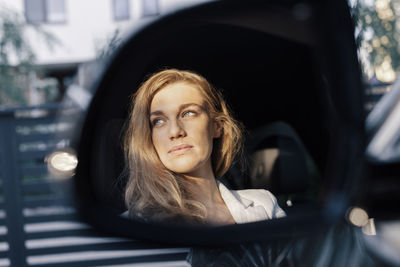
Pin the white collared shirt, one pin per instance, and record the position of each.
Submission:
(250, 205)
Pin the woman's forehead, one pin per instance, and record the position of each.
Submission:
(177, 93)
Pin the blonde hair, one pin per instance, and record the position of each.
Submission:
(152, 190)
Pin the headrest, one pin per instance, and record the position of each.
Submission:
(279, 161)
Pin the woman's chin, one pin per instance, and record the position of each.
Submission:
(188, 165)
(184, 168)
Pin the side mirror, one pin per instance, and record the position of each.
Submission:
(294, 62)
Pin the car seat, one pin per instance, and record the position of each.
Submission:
(280, 163)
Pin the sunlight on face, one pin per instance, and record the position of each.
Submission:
(182, 131)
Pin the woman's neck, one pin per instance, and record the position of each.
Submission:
(206, 191)
(205, 187)
(208, 194)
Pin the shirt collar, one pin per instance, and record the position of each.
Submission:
(236, 204)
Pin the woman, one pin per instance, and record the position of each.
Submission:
(179, 138)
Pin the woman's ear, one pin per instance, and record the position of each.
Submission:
(217, 129)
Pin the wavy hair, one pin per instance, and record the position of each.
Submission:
(152, 191)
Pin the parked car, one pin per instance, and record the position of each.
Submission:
(284, 63)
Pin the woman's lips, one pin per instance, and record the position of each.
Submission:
(180, 149)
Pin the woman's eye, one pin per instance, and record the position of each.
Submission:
(157, 122)
(189, 113)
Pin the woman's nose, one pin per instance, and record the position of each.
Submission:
(176, 129)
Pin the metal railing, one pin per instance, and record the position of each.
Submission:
(38, 222)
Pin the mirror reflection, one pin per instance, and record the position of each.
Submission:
(179, 138)
(238, 131)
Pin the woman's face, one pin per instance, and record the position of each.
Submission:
(182, 131)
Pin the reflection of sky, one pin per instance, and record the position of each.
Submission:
(368, 33)
(368, 3)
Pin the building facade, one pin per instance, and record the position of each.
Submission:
(65, 34)
(82, 28)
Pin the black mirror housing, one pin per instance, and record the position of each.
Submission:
(302, 55)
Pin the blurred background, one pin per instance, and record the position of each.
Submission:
(377, 36)
(47, 45)
(51, 52)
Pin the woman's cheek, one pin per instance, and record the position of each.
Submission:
(156, 140)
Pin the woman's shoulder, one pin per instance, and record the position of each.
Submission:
(264, 198)
(251, 200)
(249, 196)
(257, 195)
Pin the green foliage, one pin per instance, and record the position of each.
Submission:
(17, 59)
(377, 30)
(13, 47)
(110, 46)
(12, 39)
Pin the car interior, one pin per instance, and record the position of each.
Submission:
(274, 85)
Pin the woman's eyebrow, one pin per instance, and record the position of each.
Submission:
(181, 107)
(157, 112)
